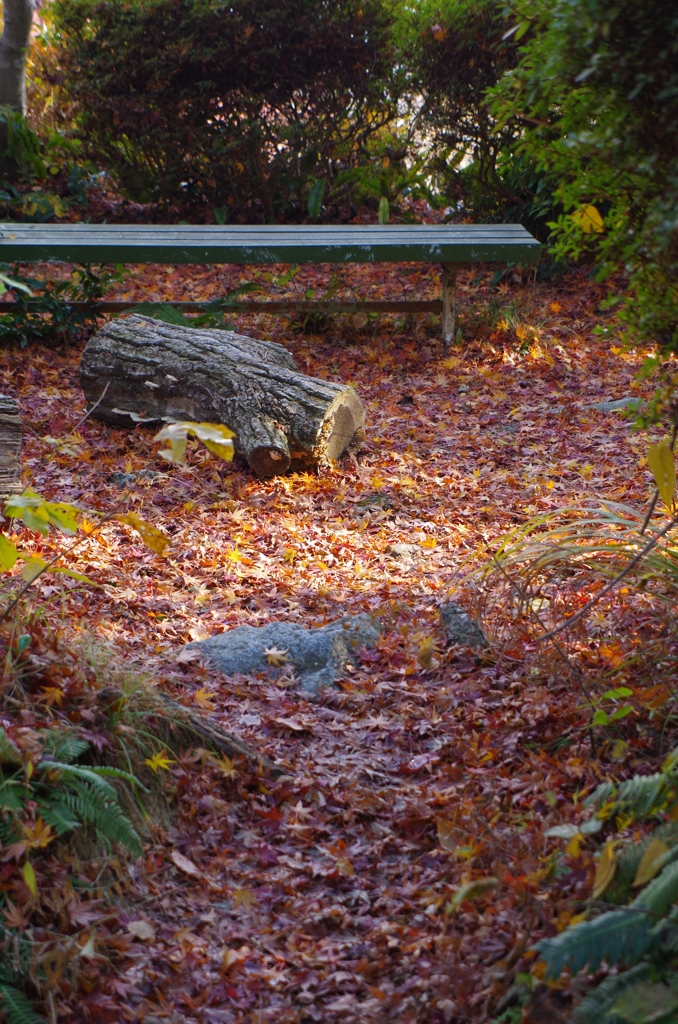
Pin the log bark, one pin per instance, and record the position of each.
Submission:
(140, 370)
(10, 447)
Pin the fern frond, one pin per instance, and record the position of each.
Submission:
(16, 1008)
(58, 815)
(73, 772)
(619, 937)
(105, 771)
(596, 1004)
(643, 796)
(9, 752)
(64, 746)
(106, 815)
(661, 893)
(12, 794)
(8, 833)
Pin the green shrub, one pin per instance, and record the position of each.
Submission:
(453, 52)
(597, 92)
(242, 106)
(641, 934)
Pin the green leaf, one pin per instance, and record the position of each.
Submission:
(163, 311)
(384, 210)
(8, 553)
(315, 198)
(30, 879)
(601, 717)
(620, 713)
(32, 569)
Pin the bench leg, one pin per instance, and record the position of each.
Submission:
(450, 271)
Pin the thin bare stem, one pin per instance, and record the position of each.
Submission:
(90, 411)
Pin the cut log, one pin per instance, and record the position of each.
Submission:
(10, 447)
(140, 370)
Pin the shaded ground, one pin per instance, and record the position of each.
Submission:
(328, 895)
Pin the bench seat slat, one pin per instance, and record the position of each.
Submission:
(185, 243)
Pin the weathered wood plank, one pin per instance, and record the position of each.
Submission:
(112, 243)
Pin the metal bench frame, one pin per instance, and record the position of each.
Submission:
(453, 246)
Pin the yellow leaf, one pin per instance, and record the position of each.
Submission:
(344, 867)
(215, 437)
(8, 553)
(244, 898)
(429, 543)
(159, 761)
(427, 648)
(573, 848)
(153, 538)
(605, 871)
(233, 555)
(204, 698)
(38, 835)
(227, 765)
(650, 862)
(276, 657)
(30, 879)
(52, 695)
(589, 220)
(663, 468)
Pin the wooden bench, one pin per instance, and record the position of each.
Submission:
(453, 246)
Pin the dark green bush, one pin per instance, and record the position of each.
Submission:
(241, 106)
(597, 92)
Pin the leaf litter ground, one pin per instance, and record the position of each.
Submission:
(333, 893)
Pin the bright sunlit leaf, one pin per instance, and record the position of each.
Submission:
(605, 871)
(215, 437)
(276, 657)
(30, 879)
(152, 537)
(663, 468)
(159, 762)
(588, 219)
(650, 863)
(8, 553)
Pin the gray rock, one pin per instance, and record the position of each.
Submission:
(459, 627)
(615, 404)
(318, 656)
(402, 550)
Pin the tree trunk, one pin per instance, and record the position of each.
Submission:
(10, 447)
(14, 52)
(145, 371)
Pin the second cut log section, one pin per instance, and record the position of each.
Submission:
(140, 370)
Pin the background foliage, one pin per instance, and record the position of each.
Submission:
(243, 106)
